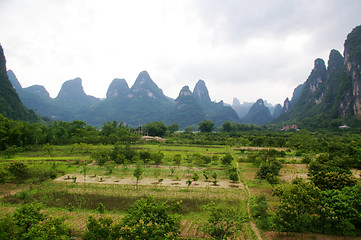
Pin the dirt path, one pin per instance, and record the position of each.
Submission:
(253, 225)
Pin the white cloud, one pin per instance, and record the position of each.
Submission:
(248, 50)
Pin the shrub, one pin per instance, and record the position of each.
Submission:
(227, 159)
(177, 159)
(18, 170)
(101, 156)
(195, 177)
(147, 219)
(157, 157)
(29, 223)
(222, 221)
(100, 229)
(260, 212)
(306, 160)
(206, 175)
(101, 208)
(269, 170)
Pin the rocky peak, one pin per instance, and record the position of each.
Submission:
(277, 111)
(145, 87)
(38, 90)
(185, 92)
(286, 105)
(316, 81)
(71, 89)
(236, 102)
(14, 80)
(118, 87)
(186, 97)
(200, 92)
(260, 102)
(297, 93)
(258, 114)
(352, 54)
(335, 60)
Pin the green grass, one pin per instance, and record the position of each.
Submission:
(79, 199)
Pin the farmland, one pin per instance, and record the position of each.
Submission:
(255, 184)
(71, 182)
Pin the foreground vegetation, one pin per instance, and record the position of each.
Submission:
(109, 184)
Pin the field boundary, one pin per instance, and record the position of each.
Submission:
(253, 225)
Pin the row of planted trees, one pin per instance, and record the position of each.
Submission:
(147, 218)
(23, 134)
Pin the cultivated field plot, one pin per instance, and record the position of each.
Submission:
(194, 175)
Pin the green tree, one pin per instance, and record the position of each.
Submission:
(206, 175)
(206, 126)
(298, 203)
(215, 177)
(173, 128)
(195, 177)
(226, 126)
(18, 170)
(155, 129)
(157, 157)
(223, 222)
(261, 213)
(148, 219)
(269, 170)
(177, 159)
(227, 159)
(137, 173)
(101, 229)
(333, 180)
(188, 129)
(29, 223)
(339, 211)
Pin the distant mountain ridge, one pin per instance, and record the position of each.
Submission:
(144, 101)
(331, 96)
(258, 114)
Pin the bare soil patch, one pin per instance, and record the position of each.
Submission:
(148, 181)
(292, 171)
(259, 148)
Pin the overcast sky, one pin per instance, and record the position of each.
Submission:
(243, 49)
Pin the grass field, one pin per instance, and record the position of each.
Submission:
(76, 199)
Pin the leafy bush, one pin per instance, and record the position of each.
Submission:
(100, 229)
(222, 221)
(147, 219)
(304, 207)
(329, 177)
(29, 223)
(269, 170)
(195, 177)
(19, 170)
(260, 212)
(233, 174)
(101, 156)
(157, 157)
(227, 159)
(177, 158)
